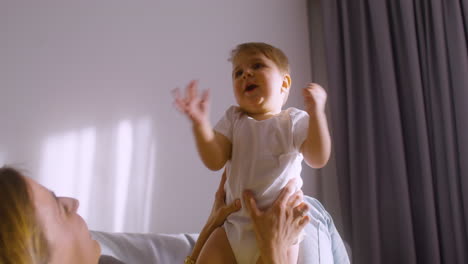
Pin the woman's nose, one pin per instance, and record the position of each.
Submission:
(71, 204)
(76, 205)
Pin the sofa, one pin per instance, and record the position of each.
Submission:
(322, 243)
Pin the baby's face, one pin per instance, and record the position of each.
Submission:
(259, 86)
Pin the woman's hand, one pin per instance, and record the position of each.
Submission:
(218, 215)
(195, 106)
(278, 227)
(220, 210)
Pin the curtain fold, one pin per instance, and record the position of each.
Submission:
(398, 89)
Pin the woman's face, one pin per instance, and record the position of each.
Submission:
(67, 233)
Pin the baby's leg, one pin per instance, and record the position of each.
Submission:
(217, 249)
(293, 254)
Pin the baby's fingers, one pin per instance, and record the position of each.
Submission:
(191, 93)
(204, 101)
(179, 102)
(175, 93)
(307, 91)
(205, 96)
(180, 105)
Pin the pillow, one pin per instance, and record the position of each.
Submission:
(321, 244)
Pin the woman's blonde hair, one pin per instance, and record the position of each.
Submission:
(271, 52)
(22, 239)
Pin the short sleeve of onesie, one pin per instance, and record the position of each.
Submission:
(226, 123)
(300, 126)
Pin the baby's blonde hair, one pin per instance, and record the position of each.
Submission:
(271, 52)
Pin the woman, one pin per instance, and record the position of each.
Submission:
(38, 227)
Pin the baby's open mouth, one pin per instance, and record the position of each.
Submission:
(251, 87)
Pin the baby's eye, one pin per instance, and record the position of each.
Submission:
(238, 73)
(257, 66)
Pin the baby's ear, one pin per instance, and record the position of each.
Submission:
(286, 83)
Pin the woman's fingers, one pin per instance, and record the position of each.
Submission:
(251, 205)
(283, 197)
(223, 180)
(295, 199)
(233, 207)
(303, 222)
(220, 193)
(300, 211)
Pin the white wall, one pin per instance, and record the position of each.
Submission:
(85, 102)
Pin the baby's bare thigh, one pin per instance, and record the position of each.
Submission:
(217, 249)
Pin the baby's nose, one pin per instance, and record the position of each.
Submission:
(247, 74)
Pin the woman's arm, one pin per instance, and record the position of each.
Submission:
(219, 213)
(278, 227)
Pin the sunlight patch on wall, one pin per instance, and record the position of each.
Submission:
(58, 166)
(148, 197)
(113, 179)
(142, 177)
(123, 166)
(133, 197)
(66, 165)
(85, 168)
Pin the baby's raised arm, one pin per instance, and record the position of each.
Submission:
(214, 148)
(317, 146)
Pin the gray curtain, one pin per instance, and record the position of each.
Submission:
(398, 93)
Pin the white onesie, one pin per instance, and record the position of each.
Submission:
(265, 156)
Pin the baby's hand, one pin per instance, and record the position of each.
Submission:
(315, 98)
(196, 107)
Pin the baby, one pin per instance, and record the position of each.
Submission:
(261, 145)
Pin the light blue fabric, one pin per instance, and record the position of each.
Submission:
(321, 245)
